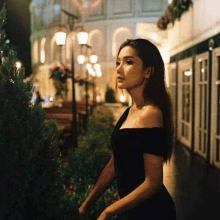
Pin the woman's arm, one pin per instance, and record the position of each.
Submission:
(105, 179)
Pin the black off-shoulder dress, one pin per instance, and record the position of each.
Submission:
(128, 146)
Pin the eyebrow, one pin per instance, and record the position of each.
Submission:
(126, 57)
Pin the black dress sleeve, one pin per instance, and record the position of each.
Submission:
(153, 141)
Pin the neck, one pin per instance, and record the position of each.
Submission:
(137, 97)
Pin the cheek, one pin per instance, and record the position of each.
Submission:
(135, 72)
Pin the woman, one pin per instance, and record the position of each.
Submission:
(141, 140)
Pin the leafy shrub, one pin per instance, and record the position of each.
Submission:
(110, 95)
(31, 173)
(87, 161)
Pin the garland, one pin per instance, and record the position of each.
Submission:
(59, 76)
(173, 12)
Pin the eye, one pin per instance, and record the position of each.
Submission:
(129, 62)
(117, 63)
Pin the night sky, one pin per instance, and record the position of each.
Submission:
(18, 29)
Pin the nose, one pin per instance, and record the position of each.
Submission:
(119, 68)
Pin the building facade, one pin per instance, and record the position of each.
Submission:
(195, 79)
(108, 26)
(190, 49)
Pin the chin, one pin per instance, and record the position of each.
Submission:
(121, 86)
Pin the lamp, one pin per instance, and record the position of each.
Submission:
(82, 37)
(81, 59)
(93, 58)
(98, 73)
(60, 38)
(187, 73)
(211, 44)
(97, 68)
(90, 69)
(88, 66)
(18, 65)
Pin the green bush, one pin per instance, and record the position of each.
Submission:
(31, 172)
(87, 161)
(35, 183)
(110, 95)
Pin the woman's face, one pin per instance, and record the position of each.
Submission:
(129, 69)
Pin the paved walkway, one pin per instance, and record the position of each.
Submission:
(194, 186)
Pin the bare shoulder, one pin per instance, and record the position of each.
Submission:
(151, 116)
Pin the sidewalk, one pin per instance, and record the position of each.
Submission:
(194, 186)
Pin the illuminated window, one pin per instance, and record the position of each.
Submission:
(35, 52)
(185, 101)
(119, 36)
(42, 50)
(68, 47)
(55, 50)
(96, 40)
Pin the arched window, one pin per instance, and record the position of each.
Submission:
(55, 50)
(96, 40)
(68, 47)
(35, 55)
(42, 50)
(119, 36)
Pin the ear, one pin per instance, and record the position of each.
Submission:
(149, 71)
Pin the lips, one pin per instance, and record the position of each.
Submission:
(120, 78)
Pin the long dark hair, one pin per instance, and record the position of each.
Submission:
(155, 90)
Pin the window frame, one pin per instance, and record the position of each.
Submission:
(199, 125)
(184, 65)
(215, 81)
